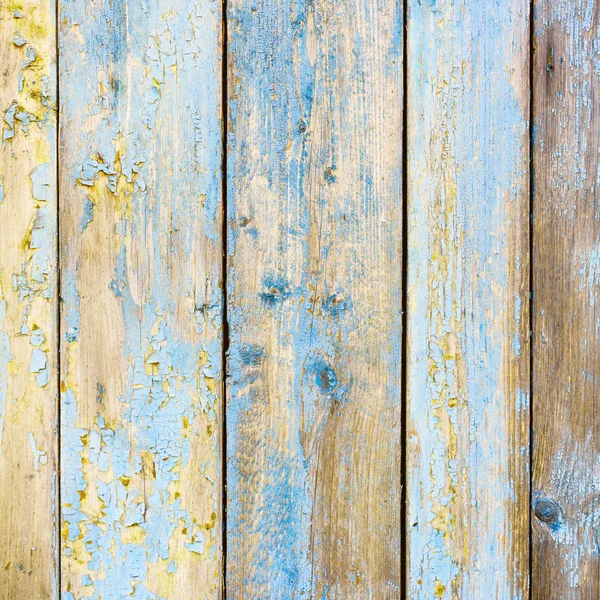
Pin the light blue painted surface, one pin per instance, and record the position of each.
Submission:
(468, 268)
(142, 307)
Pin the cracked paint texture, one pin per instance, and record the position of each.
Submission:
(467, 338)
(141, 299)
(28, 301)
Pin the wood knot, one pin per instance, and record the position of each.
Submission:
(326, 379)
(275, 291)
(548, 511)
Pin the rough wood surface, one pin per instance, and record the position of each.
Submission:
(314, 299)
(141, 254)
(468, 270)
(566, 270)
(28, 301)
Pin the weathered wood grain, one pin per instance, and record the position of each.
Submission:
(28, 301)
(468, 269)
(566, 261)
(141, 254)
(314, 299)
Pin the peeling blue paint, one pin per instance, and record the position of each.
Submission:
(39, 365)
(36, 337)
(155, 158)
(19, 40)
(88, 214)
(39, 456)
(9, 119)
(467, 161)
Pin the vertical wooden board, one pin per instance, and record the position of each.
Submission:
(566, 271)
(468, 278)
(141, 256)
(314, 299)
(28, 301)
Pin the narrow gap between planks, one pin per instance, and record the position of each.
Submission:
(531, 316)
(225, 341)
(58, 446)
(403, 371)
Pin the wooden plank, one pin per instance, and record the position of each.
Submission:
(566, 276)
(28, 301)
(141, 255)
(468, 271)
(314, 299)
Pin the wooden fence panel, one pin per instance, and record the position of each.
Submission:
(468, 282)
(566, 276)
(314, 299)
(28, 302)
(141, 320)
(112, 299)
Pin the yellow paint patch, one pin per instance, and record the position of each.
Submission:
(439, 590)
(203, 358)
(211, 384)
(148, 466)
(133, 535)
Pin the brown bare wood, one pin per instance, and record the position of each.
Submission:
(566, 300)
